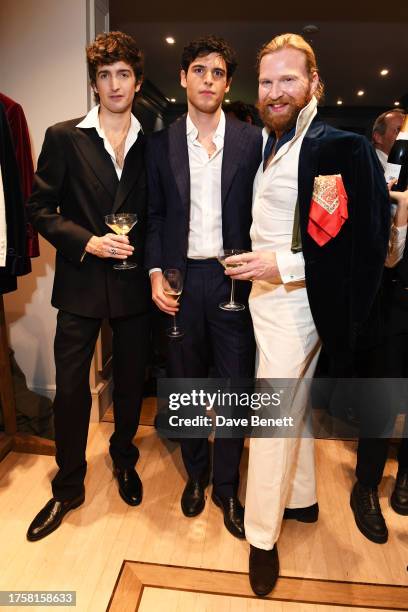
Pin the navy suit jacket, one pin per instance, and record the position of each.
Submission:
(168, 175)
(343, 277)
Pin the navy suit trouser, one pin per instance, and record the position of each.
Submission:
(213, 337)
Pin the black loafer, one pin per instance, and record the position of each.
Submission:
(399, 497)
(193, 498)
(233, 514)
(130, 485)
(50, 517)
(263, 569)
(309, 514)
(367, 513)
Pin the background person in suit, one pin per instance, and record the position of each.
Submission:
(200, 175)
(389, 359)
(89, 168)
(314, 279)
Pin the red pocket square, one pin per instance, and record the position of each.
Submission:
(328, 209)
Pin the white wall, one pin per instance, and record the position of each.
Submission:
(42, 50)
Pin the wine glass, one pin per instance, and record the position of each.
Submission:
(222, 256)
(172, 281)
(121, 224)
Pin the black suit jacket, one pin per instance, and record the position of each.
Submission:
(343, 277)
(169, 191)
(75, 186)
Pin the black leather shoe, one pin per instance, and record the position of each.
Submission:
(367, 513)
(263, 569)
(399, 497)
(233, 514)
(50, 517)
(130, 485)
(309, 514)
(193, 498)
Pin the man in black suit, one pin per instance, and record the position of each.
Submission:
(89, 168)
(200, 174)
(389, 359)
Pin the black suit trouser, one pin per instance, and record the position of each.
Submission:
(212, 337)
(74, 346)
(390, 360)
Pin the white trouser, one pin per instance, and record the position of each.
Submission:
(281, 471)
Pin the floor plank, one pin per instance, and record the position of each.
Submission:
(233, 586)
(180, 601)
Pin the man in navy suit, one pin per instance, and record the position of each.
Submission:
(200, 175)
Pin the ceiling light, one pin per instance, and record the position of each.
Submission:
(360, 92)
(170, 40)
(384, 72)
(339, 102)
(310, 29)
(396, 103)
(172, 100)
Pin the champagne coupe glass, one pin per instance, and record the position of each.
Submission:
(121, 224)
(172, 282)
(222, 256)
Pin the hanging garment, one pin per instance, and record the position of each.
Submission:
(22, 147)
(3, 225)
(17, 262)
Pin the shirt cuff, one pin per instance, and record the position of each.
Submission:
(396, 245)
(401, 232)
(154, 270)
(291, 266)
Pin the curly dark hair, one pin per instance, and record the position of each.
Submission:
(112, 47)
(205, 46)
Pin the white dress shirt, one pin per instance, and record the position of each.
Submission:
(383, 157)
(205, 231)
(274, 202)
(398, 235)
(92, 121)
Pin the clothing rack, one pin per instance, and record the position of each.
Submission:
(11, 439)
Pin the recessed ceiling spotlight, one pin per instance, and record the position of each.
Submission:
(170, 40)
(384, 72)
(396, 103)
(339, 102)
(310, 29)
(172, 100)
(361, 92)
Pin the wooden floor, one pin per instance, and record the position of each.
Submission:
(136, 579)
(153, 558)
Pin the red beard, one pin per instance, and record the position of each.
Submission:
(283, 121)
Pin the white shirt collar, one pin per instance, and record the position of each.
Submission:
(305, 116)
(303, 120)
(192, 131)
(92, 121)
